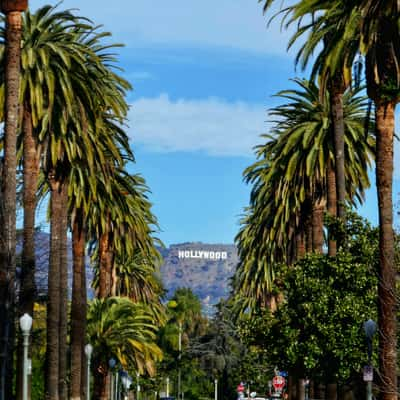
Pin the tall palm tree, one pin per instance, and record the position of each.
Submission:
(334, 77)
(42, 57)
(46, 38)
(48, 48)
(380, 38)
(12, 11)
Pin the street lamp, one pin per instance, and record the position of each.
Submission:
(126, 381)
(369, 330)
(137, 385)
(167, 381)
(88, 352)
(111, 364)
(216, 389)
(25, 323)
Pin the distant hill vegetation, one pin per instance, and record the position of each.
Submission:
(204, 268)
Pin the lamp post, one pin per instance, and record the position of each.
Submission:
(137, 385)
(25, 323)
(117, 386)
(88, 352)
(111, 364)
(307, 387)
(167, 381)
(127, 382)
(216, 389)
(369, 330)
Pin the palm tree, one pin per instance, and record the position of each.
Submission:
(333, 76)
(380, 37)
(120, 329)
(12, 11)
(128, 225)
(290, 176)
(48, 49)
(137, 279)
(59, 112)
(44, 44)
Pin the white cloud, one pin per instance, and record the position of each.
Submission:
(212, 126)
(230, 23)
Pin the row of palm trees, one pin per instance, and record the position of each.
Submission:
(317, 156)
(64, 108)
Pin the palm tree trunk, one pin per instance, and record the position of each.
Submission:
(307, 220)
(311, 389)
(78, 306)
(331, 205)
(105, 267)
(336, 96)
(8, 192)
(291, 387)
(28, 284)
(318, 225)
(83, 357)
(319, 390)
(114, 280)
(301, 389)
(100, 381)
(63, 327)
(300, 244)
(53, 302)
(387, 305)
(331, 391)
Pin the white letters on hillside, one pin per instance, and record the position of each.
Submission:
(211, 255)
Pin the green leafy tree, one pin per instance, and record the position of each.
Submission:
(185, 323)
(326, 302)
(220, 352)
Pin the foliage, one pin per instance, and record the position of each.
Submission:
(184, 312)
(291, 174)
(220, 352)
(120, 329)
(327, 299)
(38, 348)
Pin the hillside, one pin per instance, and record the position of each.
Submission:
(205, 268)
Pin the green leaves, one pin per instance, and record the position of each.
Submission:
(317, 329)
(119, 328)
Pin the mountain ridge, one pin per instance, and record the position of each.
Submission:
(203, 267)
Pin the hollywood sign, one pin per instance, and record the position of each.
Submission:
(209, 255)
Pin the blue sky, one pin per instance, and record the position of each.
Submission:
(203, 74)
